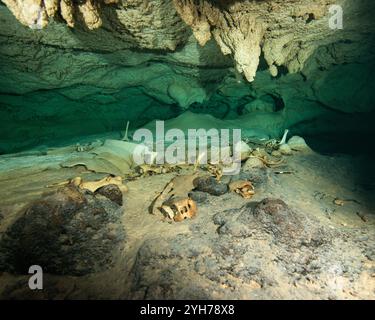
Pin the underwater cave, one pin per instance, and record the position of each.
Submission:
(104, 191)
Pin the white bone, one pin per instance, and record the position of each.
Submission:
(283, 140)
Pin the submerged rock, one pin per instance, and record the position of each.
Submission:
(285, 149)
(112, 192)
(198, 196)
(210, 185)
(251, 163)
(276, 217)
(298, 144)
(257, 176)
(69, 233)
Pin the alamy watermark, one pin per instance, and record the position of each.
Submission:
(36, 280)
(336, 21)
(199, 146)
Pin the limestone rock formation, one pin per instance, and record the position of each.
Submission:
(286, 32)
(146, 22)
(29, 12)
(36, 13)
(244, 29)
(236, 31)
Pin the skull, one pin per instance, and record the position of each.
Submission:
(242, 187)
(215, 170)
(179, 209)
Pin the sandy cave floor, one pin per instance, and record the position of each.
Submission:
(318, 250)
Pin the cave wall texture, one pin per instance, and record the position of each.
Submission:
(73, 68)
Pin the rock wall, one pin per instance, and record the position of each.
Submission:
(108, 62)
